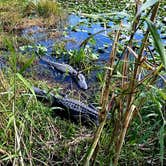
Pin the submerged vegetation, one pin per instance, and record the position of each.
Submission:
(129, 83)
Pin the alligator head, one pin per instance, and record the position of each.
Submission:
(82, 82)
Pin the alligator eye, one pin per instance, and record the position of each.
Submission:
(74, 73)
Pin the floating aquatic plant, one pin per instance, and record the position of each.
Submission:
(39, 49)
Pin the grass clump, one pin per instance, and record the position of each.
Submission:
(18, 15)
(21, 14)
(29, 133)
(47, 8)
(11, 14)
(82, 57)
(50, 11)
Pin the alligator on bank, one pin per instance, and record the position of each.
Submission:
(65, 68)
(69, 108)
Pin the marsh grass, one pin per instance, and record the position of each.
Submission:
(47, 8)
(29, 133)
(10, 15)
(81, 58)
(16, 15)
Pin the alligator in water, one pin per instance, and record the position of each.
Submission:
(70, 108)
(65, 68)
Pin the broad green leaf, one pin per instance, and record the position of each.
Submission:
(157, 41)
(26, 83)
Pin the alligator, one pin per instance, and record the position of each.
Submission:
(69, 108)
(65, 68)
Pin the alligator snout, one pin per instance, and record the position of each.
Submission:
(82, 82)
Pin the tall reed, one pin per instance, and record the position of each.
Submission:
(123, 105)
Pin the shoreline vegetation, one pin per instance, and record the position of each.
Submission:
(130, 85)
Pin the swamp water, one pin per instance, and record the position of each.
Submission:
(78, 30)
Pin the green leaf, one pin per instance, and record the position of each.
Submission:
(41, 50)
(94, 56)
(161, 140)
(162, 94)
(13, 57)
(26, 83)
(26, 48)
(9, 157)
(10, 121)
(157, 41)
(27, 64)
(146, 5)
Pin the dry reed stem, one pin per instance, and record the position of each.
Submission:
(122, 134)
(126, 55)
(136, 69)
(103, 100)
(133, 87)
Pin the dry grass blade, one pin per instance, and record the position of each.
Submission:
(19, 160)
(143, 62)
(78, 139)
(3, 81)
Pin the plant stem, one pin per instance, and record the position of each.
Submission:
(129, 107)
(104, 100)
(122, 134)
